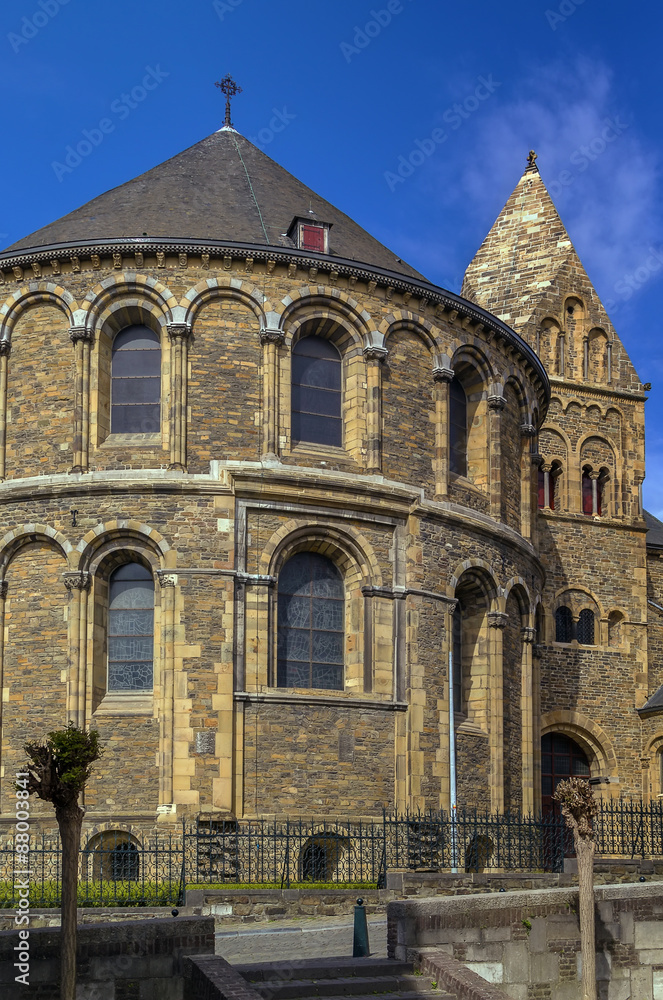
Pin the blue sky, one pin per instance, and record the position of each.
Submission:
(354, 86)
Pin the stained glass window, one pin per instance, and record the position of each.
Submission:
(457, 428)
(316, 392)
(136, 382)
(130, 629)
(587, 494)
(311, 623)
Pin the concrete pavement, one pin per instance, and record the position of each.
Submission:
(297, 939)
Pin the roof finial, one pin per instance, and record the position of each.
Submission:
(230, 89)
(531, 161)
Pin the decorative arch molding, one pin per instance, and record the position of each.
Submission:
(561, 433)
(326, 302)
(32, 294)
(212, 288)
(403, 320)
(569, 589)
(471, 354)
(131, 290)
(351, 551)
(655, 743)
(603, 440)
(483, 572)
(588, 734)
(521, 592)
(511, 376)
(109, 827)
(24, 534)
(103, 538)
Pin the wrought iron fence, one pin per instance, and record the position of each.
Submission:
(117, 869)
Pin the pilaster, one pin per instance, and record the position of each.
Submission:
(78, 585)
(5, 349)
(271, 339)
(497, 623)
(82, 339)
(528, 636)
(179, 334)
(442, 376)
(496, 404)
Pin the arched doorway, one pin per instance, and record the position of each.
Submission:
(561, 758)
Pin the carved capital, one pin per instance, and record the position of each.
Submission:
(271, 336)
(443, 374)
(4, 587)
(166, 579)
(594, 475)
(528, 430)
(452, 604)
(528, 633)
(374, 346)
(80, 333)
(496, 403)
(5, 348)
(497, 619)
(79, 580)
(179, 331)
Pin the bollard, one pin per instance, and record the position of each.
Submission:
(360, 946)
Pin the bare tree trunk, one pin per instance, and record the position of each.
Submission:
(585, 852)
(70, 821)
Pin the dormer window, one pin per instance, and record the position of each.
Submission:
(309, 234)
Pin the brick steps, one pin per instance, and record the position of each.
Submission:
(338, 978)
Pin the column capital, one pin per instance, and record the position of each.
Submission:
(4, 587)
(178, 331)
(271, 335)
(528, 430)
(528, 633)
(78, 580)
(497, 619)
(77, 333)
(166, 579)
(451, 605)
(496, 402)
(443, 374)
(593, 475)
(374, 348)
(546, 467)
(5, 348)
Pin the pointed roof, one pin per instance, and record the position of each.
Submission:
(521, 255)
(222, 188)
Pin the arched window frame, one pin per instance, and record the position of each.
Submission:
(316, 407)
(586, 628)
(130, 630)
(298, 612)
(135, 381)
(564, 631)
(458, 437)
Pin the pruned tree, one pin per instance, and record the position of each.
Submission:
(578, 809)
(57, 772)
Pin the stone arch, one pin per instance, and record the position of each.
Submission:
(325, 303)
(517, 587)
(15, 539)
(210, 288)
(100, 540)
(402, 320)
(471, 356)
(587, 734)
(31, 294)
(352, 552)
(568, 592)
(483, 573)
(128, 290)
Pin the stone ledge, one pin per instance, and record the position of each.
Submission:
(455, 977)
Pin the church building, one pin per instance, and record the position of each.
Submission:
(301, 533)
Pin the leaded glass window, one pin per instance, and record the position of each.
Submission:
(316, 392)
(130, 629)
(310, 623)
(563, 625)
(586, 627)
(457, 428)
(136, 382)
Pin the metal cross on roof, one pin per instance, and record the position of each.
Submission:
(230, 89)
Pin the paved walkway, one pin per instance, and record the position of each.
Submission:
(292, 939)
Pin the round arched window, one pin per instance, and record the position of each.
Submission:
(136, 382)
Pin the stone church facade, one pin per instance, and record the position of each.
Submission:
(301, 533)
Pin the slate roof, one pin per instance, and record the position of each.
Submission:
(222, 188)
(655, 703)
(654, 531)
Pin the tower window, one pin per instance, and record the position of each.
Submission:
(310, 623)
(136, 382)
(316, 392)
(457, 428)
(130, 629)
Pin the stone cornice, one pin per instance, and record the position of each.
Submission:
(594, 392)
(31, 260)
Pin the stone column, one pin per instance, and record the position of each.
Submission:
(82, 339)
(3, 597)
(528, 635)
(179, 334)
(497, 621)
(167, 706)
(528, 432)
(78, 584)
(496, 404)
(447, 750)
(375, 353)
(594, 476)
(536, 723)
(5, 348)
(442, 376)
(271, 339)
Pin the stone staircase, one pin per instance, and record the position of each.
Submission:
(338, 978)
